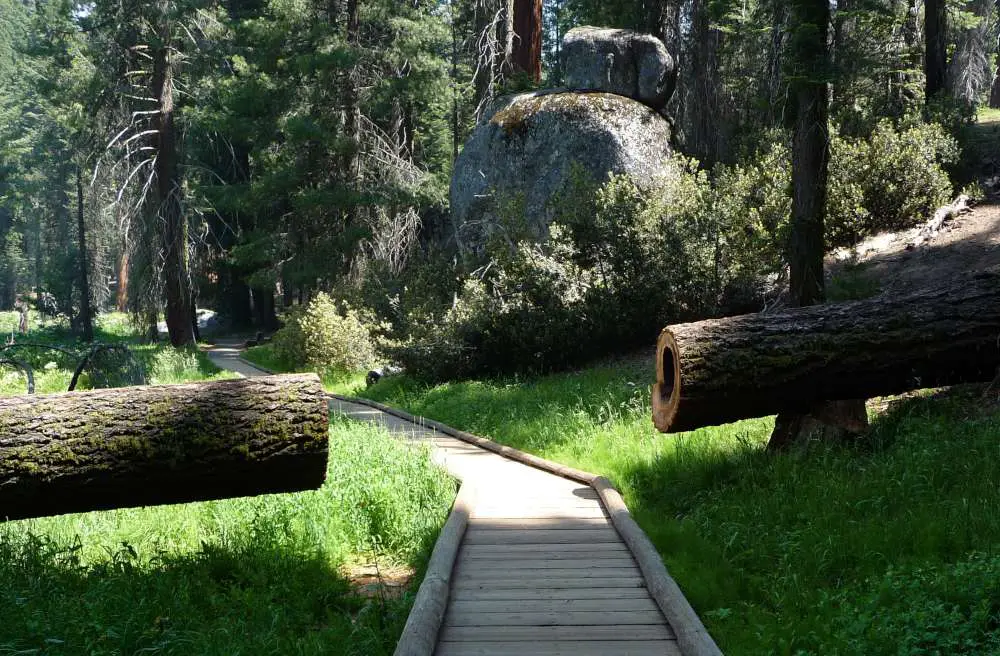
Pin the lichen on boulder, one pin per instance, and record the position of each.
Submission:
(520, 160)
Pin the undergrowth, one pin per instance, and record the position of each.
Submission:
(53, 371)
(336, 381)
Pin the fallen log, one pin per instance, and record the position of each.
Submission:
(140, 446)
(722, 370)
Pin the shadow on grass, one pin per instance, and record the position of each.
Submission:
(800, 551)
(252, 598)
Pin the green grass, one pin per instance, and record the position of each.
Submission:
(336, 382)
(889, 546)
(987, 115)
(243, 576)
(261, 575)
(853, 282)
(53, 370)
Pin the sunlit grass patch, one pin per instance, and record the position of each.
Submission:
(53, 369)
(337, 382)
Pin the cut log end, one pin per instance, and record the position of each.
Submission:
(723, 370)
(666, 390)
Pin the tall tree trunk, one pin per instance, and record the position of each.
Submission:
(508, 36)
(81, 229)
(527, 55)
(707, 137)
(455, 116)
(935, 47)
(264, 310)
(809, 67)
(168, 188)
(121, 297)
(352, 106)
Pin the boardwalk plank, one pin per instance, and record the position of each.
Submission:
(546, 583)
(562, 618)
(521, 523)
(569, 548)
(557, 594)
(539, 536)
(479, 574)
(552, 605)
(538, 513)
(567, 648)
(582, 562)
(554, 633)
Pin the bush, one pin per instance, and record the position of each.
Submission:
(621, 262)
(617, 264)
(323, 338)
(892, 180)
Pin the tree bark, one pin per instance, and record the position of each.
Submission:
(86, 318)
(527, 56)
(935, 47)
(995, 91)
(809, 68)
(140, 446)
(121, 296)
(810, 148)
(263, 307)
(352, 101)
(709, 134)
(721, 370)
(175, 260)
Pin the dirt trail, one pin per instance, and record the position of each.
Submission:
(887, 263)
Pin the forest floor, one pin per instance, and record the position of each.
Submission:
(890, 263)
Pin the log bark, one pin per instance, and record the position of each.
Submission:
(722, 370)
(140, 446)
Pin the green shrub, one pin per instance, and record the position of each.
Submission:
(617, 264)
(323, 337)
(891, 180)
(621, 262)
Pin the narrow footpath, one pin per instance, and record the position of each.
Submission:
(541, 569)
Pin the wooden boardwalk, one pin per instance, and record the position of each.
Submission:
(541, 570)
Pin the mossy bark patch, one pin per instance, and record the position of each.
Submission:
(163, 444)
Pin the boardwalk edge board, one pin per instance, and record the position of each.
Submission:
(420, 634)
(693, 638)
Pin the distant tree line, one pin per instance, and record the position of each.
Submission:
(248, 154)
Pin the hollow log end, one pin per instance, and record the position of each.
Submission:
(666, 390)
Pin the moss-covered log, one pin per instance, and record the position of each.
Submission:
(721, 370)
(140, 446)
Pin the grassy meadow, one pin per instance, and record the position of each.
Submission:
(275, 574)
(887, 546)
